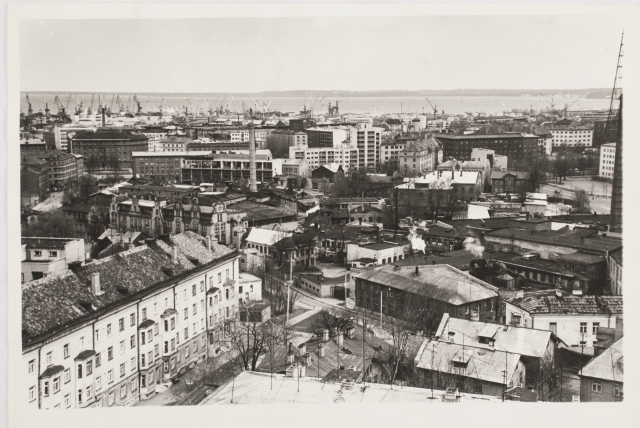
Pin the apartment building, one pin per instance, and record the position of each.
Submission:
(345, 155)
(155, 135)
(162, 165)
(108, 146)
(119, 326)
(227, 166)
(327, 137)
(419, 156)
(390, 150)
(514, 145)
(607, 160)
(368, 140)
(43, 256)
(571, 136)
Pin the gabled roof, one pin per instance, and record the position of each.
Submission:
(266, 237)
(607, 366)
(439, 282)
(520, 175)
(519, 340)
(580, 239)
(569, 305)
(483, 364)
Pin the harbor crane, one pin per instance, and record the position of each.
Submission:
(552, 104)
(434, 108)
(566, 106)
(29, 109)
(335, 110)
(138, 103)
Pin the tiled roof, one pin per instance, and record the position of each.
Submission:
(439, 282)
(608, 366)
(46, 242)
(617, 256)
(484, 364)
(552, 304)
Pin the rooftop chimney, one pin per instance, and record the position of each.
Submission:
(321, 349)
(253, 187)
(174, 255)
(417, 271)
(95, 283)
(103, 117)
(290, 357)
(340, 339)
(209, 243)
(325, 335)
(302, 349)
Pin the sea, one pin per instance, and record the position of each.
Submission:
(378, 105)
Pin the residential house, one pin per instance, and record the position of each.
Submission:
(44, 256)
(602, 379)
(377, 253)
(516, 182)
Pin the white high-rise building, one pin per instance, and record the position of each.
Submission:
(607, 160)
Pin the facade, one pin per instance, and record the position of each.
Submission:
(345, 156)
(615, 272)
(166, 166)
(607, 160)
(107, 148)
(368, 140)
(173, 143)
(298, 167)
(602, 379)
(64, 169)
(226, 166)
(571, 136)
(426, 293)
(290, 138)
(390, 151)
(155, 135)
(419, 156)
(512, 145)
(34, 181)
(46, 256)
(377, 253)
(143, 319)
(263, 239)
(326, 137)
(515, 182)
(574, 319)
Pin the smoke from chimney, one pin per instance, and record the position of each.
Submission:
(473, 246)
(253, 187)
(417, 243)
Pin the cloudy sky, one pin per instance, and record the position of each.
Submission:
(263, 54)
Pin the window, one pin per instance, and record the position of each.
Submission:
(156, 350)
(123, 392)
(122, 347)
(97, 335)
(186, 313)
(88, 392)
(110, 353)
(122, 370)
(166, 346)
(142, 338)
(143, 381)
(617, 391)
(110, 376)
(201, 285)
(132, 318)
(67, 375)
(111, 398)
(65, 350)
(49, 357)
(186, 352)
(583, 327)
(150, 377)
(155, 308)
(596, 386)
(67, 401)
(108, 330)
(37, 253)
(133, 363)
(195, 309)
(594, 328)
(193, 290)
(186, 333)
(32, 366)
(184, 292)
(166, 325)
(98, 383)
(79, 371)
(150, 354)
(89, 367)
(173, 344)
(132, 341)
(219, 277)
(166, 366)
(166, 302)
(144, 314)
(121, 324)
(79, 396)
(155, 330)
(98, 359)
(56, 384)
(134, 385)
(173, 323)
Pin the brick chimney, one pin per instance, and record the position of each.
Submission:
(325, 335)
(174, 255)
(321, 349)
(95, 283)
(340, 339)
(209, 243)
(302, 349)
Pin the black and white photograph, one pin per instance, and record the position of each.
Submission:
(318, 208)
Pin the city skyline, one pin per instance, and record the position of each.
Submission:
(253, 55)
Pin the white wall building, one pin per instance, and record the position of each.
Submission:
(571, 136)
(344, 155)
(607, 160)
(377, 253)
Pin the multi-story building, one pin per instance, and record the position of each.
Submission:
(296, 167)
(517, 182)
(407, 290)
(108, 332)
(108, 148)
(615, 272)
(173, 143)
(166, 166)
(419, 156)
(156, 218)
(290, 138)
(301, 124)
(327, 137)
(607, 160)
(571, 136)
(64, 168)
(226, 166)
(513, 145)
(345, 156)
(34, 180)
(45, 256)
(155, 135)
(367, 140)
(574, 319)
(390, 151)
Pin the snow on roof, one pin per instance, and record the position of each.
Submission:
(266, 236)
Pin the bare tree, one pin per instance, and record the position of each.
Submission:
(582, 202)
(394, 356)
(251, 339)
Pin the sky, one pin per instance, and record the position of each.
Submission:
(230, 55)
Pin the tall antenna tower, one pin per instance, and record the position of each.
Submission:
(613, 133)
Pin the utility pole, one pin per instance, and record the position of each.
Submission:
(289, 284)
(380, 307)
(395, 235)
(364, 374)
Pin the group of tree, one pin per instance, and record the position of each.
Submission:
(279, 148)
(55, 224)
(86, 186)
(95, 163)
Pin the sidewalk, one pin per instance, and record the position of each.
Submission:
(303, 316)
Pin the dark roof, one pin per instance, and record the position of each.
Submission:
(85, 354)
(546, 265)
(258, 212)
(439, 282)
(552, 304)
(378, 246)
(146, 323)
(580, 239)
(442, 232)
(52, 370)
(583, 257)
(421, 145)
(110, 135)
(520, 175)
(57, 243)
(512, 135)
(617, 256)
(458, 259)
(485, 224)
